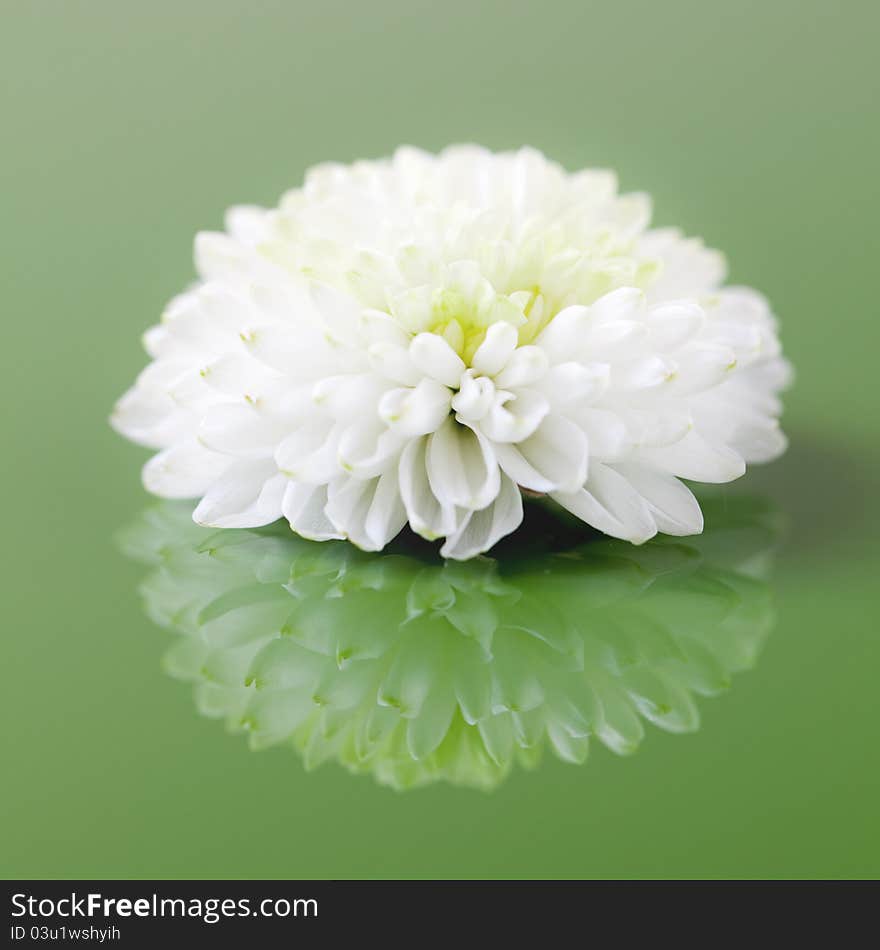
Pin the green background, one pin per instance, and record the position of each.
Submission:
(128, 126)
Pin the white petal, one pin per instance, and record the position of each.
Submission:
(571, 383)
(672, 324)
(759, 443)
(514, 416)
(742, 418)
(647, 372)
(191, 391)
(426, 515)
(606, 433)
(186, 470)
(303, 506)
(379, 328)
(347, 397)
(527, 365)
(412, 308)
(239, 430)
(700, 367)
(341, 313)
(608, 502)
(611, 342)
(673, 506)
(554, 458)
(559, 450)
(157, 341)
(293, 350)
(563, 338)
(436, 358)
(622, 305)
(142, 415)
(484, 528)
(495, 350)
(218, 255)
(417, 411)
(474, 398)
(247, 495)
(746, 340)
(369, 512)
(236, 375)
(652, 428)
(285, 303)
(392, 361)
(688, 270)
(300, 444)
(247, 223)
(311, 453)
(696, 458)
(462, 468)
(348, 503)
(514, 464)
(367, 450)
(387, 514)
(630, 214)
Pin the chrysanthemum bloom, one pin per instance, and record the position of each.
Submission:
(418, 339)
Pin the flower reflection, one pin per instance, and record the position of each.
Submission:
(417, 670)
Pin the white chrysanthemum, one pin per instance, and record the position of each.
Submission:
(418, 339)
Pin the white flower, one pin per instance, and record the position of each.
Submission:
(419, 338)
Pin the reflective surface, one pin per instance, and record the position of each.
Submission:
(129, 126)
(415, 670)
